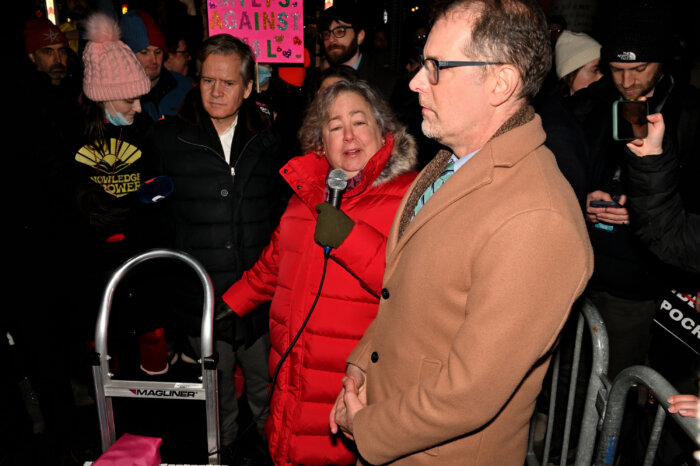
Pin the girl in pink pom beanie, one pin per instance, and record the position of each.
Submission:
(108, 221)
(114, 79)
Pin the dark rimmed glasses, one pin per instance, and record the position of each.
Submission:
(433, 66)
(338, 32)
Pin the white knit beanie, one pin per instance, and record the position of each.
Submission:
(573, 50)
(112, 71)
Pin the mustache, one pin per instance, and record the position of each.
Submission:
(57, 67)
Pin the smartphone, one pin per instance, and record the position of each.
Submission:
(604, 204)
(630, 120)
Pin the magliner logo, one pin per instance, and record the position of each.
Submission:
(162, 393)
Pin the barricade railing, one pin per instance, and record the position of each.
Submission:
(106, 388)
(614, 412)
(595, 393)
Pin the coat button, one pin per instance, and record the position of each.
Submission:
(285, 170)
(224, 192)
(374, 357)
(298, 186)
(228, 244)
(385, 293)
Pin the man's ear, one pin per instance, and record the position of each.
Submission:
(360, 36)
(504, 82)
(31, 57)
(248, 89)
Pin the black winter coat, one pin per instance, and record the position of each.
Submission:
(222, 214)
(660, 219)
(624, 266)
(664, 196)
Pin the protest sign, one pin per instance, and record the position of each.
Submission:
(274, 29)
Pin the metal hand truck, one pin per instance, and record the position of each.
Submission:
(106, 388)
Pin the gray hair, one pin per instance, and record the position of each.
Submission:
(508, 31)
(226, 44)
(311, 131)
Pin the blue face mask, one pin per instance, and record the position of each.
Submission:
(117, 120)
(264, 74)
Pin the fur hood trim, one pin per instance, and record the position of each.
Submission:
(403, 158)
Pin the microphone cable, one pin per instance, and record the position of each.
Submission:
(337, 182)
(275, 374)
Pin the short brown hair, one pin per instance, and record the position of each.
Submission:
(226, 44)
(507, 31)
(310, 133)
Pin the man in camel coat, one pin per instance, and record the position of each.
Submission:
(480, 274)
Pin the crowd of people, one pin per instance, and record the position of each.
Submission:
(405, 315)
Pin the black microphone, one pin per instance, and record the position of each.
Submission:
(337, 182)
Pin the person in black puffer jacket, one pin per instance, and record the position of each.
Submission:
(227, 200)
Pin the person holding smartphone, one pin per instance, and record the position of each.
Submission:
(654, 181)
(669, 226)
(628, 281)
(661, 219)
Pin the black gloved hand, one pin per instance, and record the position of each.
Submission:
(224, 318)
(332, 225)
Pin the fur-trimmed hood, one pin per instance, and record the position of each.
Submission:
(403, 158)
(307, 173)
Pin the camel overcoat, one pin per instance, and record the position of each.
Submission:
(476, 289)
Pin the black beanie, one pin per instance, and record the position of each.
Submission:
(637, 33)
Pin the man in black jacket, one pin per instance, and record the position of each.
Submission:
(629, 280)
(223, 160)
(46, 339)
(342, 36)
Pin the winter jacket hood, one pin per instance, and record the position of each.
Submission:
(307, 174)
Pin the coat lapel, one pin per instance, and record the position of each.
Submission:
(430, 174)
(476, 173)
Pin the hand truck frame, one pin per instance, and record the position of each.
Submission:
(106, 388)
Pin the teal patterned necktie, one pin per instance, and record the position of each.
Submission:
(446, 173)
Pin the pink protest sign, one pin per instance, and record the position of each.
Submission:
(274, 29)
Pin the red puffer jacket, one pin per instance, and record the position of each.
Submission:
(289, 272)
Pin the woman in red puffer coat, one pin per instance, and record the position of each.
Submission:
(348, 127)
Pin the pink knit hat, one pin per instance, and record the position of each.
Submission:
(112, 71)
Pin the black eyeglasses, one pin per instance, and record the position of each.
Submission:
(338, 32)
(433, 66)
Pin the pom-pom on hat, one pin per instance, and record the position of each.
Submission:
(112, 71)
(140, 30)
(40, 33)
(573, 50)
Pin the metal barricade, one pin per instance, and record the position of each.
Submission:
(626, 379)
(595, 393)
(106, 388)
